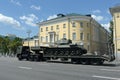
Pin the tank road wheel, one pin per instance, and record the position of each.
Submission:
(56, 53)
(66, 53)
(61, 53)
(72, 53)
(78, 52)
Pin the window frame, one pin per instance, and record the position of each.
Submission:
(74, 36)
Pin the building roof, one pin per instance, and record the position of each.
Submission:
(75, 14)
(61, 17)
(114, 9)
(31, 38)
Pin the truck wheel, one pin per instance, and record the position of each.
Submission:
(97, 62)
(19, 58)
(35, 58)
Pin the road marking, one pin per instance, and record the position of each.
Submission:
(104, 77)
(24, 67)
(110, 70)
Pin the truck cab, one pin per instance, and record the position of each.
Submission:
(23, 52)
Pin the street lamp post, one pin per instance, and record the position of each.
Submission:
(28, 32)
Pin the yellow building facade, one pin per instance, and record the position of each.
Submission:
(81, 29)
(115, 11)
(31, 42)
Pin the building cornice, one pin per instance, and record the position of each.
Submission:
(63, 19)
(114, 9)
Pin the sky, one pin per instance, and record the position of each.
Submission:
(20, 16)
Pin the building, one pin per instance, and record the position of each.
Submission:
(81, 29)
(115, 12)
(31, 41)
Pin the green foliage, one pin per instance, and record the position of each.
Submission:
(8, 46)
(111, 34)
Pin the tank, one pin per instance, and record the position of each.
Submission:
(64, 48)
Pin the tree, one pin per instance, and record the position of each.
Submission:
(111, 32)
(14, 44)
(8, 46)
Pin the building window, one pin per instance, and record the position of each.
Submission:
(64, 25)
(81, 24)
(88, 36)
(117, 15)
(51, 27)
(74, 36)
(51, 38)
(57, 37)
(64, 35)
(46, 28)
(41, 29)
(81, 36)
(41, 39)
(36, 42)
(57, 27)
(46, 38)
(88, 47)
(73, 24)
(87, 25)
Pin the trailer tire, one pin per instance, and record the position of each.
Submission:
(97, 62)
(85, 61)
(64, 59)
(100, 62)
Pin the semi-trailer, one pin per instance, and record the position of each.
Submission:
(63, 51)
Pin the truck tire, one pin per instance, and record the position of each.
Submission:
(19, 57)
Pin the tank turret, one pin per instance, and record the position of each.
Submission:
(63, 42)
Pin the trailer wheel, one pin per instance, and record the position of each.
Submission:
(100, 62)
(64, 59)
(97, 62)
(75, 60)
(85, 61)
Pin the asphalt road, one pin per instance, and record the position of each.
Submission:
(12, 69)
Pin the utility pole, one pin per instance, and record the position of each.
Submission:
(28, 32)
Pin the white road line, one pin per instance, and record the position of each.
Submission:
(24, 67)
(110, 70)
(104, 77)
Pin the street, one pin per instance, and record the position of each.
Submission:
(12, 69)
